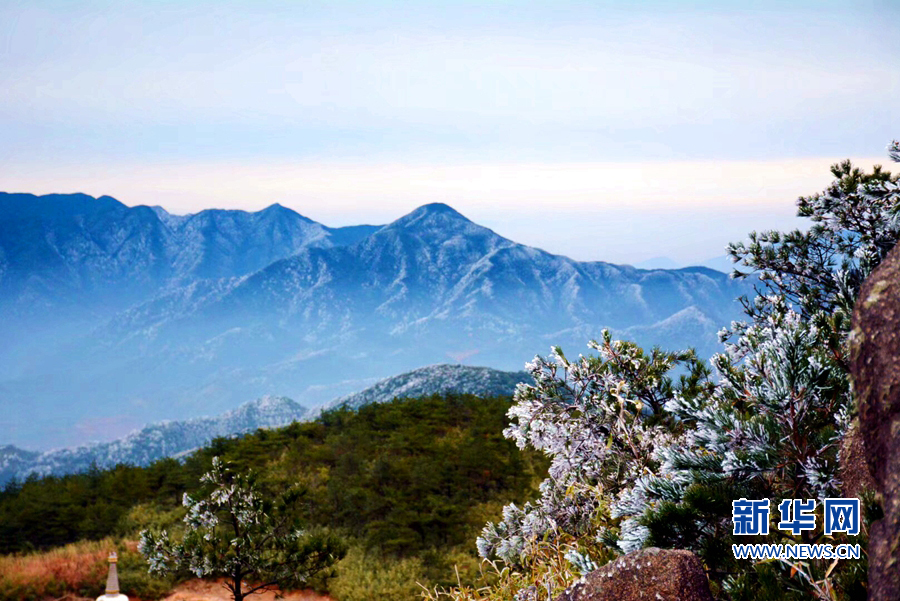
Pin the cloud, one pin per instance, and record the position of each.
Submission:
(308, 82)
(687, 210)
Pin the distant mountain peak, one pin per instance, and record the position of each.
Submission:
(283, 211)
(432, 243)
(436, 211)
(268, 404)
(442, 378)
(30, 206)
(153, 441)
(279, 208)
(438, 207)
(438, 223)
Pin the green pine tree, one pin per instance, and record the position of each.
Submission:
(234, 531)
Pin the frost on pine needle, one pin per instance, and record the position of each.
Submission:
(581, 562)
(894, 151)
(641, 457)
(599, 419)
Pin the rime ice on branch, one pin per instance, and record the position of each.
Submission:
(640, 457)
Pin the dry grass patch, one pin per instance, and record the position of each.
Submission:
(79, 568)
(76, 571)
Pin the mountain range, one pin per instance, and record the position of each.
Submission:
(177, 438)
(152, 442)
(721, 263)
(119, 316)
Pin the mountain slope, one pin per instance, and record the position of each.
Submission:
(429, 288)
(68, 262)
(155, 441)
(74, 247)
(436, 265)
(66, 248)
(175, 438)
(14, 462)
(433, 379)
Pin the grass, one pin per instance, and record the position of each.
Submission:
(77, 569)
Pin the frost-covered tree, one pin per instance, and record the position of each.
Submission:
(818, 272)
(233, 530)
(773, 425)
(638, 459)
(771, 428)
(600, 419)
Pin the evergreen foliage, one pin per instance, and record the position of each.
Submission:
(408, 483)
(638, 459)
(41, 513)
(599, 420)
(237, 531)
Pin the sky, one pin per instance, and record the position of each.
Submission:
(615, 131)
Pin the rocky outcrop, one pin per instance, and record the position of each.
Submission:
(856, 477)
(647, 575)
(875, 365)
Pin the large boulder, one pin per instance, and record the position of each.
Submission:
(646, 575)
(875, 365)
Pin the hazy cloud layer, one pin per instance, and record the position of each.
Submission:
(215, 91)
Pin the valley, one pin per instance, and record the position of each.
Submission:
(118, 317)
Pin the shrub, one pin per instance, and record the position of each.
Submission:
(365, 575)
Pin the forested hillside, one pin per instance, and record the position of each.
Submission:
(405, 481)
(177, 438)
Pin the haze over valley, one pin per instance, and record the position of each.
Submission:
(121, 316)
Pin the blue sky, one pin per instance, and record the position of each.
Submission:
(615, 131)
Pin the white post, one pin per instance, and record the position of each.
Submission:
(112, 581)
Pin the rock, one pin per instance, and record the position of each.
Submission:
(875, 366)
(856, 477)
(647, 575)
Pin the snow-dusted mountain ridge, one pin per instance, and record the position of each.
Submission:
(155, 441)
(176, 438)
(433, 379)
(59, 247)
(131, 312)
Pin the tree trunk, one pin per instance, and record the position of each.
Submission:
(236, 590)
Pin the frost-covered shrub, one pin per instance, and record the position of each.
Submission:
(639, 459)
(599, 419)
(771, 428)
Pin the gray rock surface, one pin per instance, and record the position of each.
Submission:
(875, 365)
(647, 575)
(856, 476)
